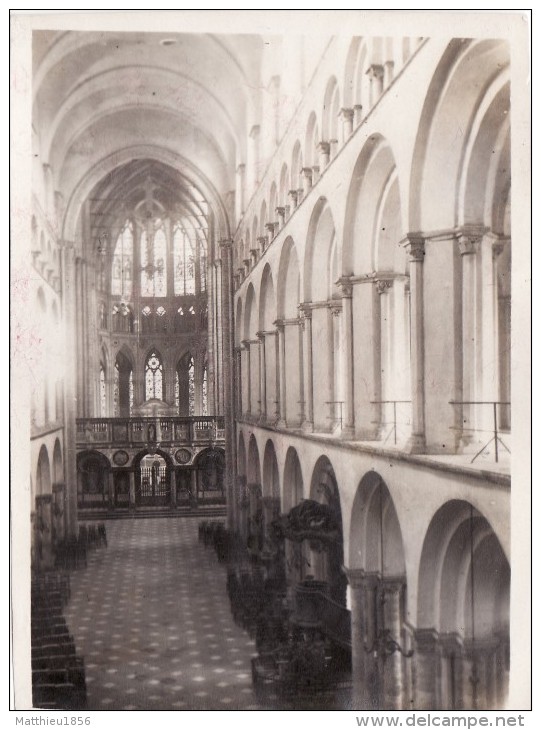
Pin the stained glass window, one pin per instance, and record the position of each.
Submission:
(184, 262)
(191, 387)
(121, 279)
(154, 262)
(204, 391)
(154, 377)
(103, 397)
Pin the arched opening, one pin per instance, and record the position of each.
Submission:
(123, 385)
(210, 469)
(255, 495)
(288, 300)
(185, 385)
(93, 470)
(379, 600)
(268, 345)
(154, 377)
(153, 470)
(463, 600)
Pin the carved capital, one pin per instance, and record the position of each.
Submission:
(226, 243)
(262, 240)
(346, 286)
(415, 247)
(346, 114)
(375, 71)
(383, 285)
(324, 148)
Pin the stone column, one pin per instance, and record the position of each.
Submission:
(173, 483)
(262, 377)
(132, 492)
(293, 196)
(357, 114)
(302, 390)
(111, 479)
(308, 424)
(277, 380)
(348, 425)
(229, 395)
(271, 227)
(69, 309)
(254, 256)
(315, 174)
(416, 249)
(247, 263)
(263, 243)
(427, 669)
(388, 73)
(307, 173)
(281, 217)
(358, 655)
(393, 683)
(375, 74)
(241, 187)
(468, 246)
(281, 372)
(371, 697)
(219, 337)
(324, 150)
(248, 371)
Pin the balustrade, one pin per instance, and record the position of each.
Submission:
(163, 430)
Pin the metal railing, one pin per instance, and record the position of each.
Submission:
(495, 431)
(393, 428)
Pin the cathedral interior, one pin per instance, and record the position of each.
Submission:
(270, 397)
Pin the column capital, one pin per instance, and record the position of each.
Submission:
(324, 147)
(279, 324)
(270, 228)
(355, 576)
(240, 168)
(262, 240)
(346, 113)
(335, 305)
(280, 210)
(375, 71)
(469, 238)
(415, 246)
(346, 286)
(225, 243)
(383, 285)
(307, 172)
(245, 344)
(305, 308)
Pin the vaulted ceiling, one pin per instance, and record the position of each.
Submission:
(181, 104)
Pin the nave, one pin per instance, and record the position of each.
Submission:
(151, 617)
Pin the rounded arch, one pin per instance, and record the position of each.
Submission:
(271, 475)
(288, 287)
(58, 465)
(311, 140)
(467, 70)
(318, 283)
(373, 212)
(296, 166)
(456, 533)
(253, 468)
(267, 300)
(250, 314)
(350, 72)
(331, 109)
(43, 473)
(148, 452)
(376, 543)
(241, 456)
(293, 483)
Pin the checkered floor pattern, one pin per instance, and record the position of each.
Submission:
(151, 617)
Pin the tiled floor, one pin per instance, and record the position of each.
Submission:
(151, 617)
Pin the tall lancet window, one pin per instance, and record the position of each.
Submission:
(154, 260)
(184, 261)
(154, 377)
(103, 396)
(204, 387)
(121, 278)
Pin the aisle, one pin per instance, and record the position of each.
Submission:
(151, 617)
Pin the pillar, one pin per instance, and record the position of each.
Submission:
(248, 377)
(226, 246)
(348, 414)
(262, 377)
(366, 354)
(388, 73)
(281, 373)
(70, 384)
(375, 73)
(308, 424)
(468, 246)
(263, 242)
(307, 173)
(393, 680)
(240, 190)
(293, 196)
(131, 503)
(111, 479)
(324, 150)
(173, 487)
(357, 114)
(302, 389)
(426, 660)
(415, 248)
(356, 584)
(281, 217)
(271, 227)
(438, 377)
(218, 336)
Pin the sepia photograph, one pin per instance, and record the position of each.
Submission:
(269, 309)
